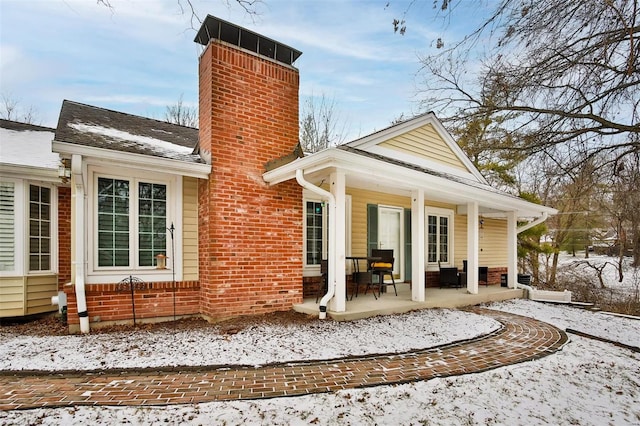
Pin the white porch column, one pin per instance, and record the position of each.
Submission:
(472, 247)
(417, 246)
(337, 234)
(512, 249)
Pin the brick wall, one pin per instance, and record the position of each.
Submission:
(250, 234)
(108, 303)
(64, 236)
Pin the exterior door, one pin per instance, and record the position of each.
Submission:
(390, 235)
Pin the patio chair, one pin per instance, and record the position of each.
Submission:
(324, 284)
(383, 267)
(362, 278)
(483, 275)
(449, 277)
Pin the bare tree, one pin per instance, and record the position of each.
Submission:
(321, 126)
(556, 72)
(187, 7)
(10, 110)
(181, 114)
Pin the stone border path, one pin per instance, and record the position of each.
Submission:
(520, 339)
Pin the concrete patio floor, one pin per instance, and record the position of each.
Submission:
(365, 305)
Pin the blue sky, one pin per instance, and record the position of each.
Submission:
(140, 57)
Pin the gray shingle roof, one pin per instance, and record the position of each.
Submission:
(95, 127)
(448, 176)
(17, 126)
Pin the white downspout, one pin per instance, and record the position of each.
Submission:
(331, 279)
(79, 231)
(522, 229)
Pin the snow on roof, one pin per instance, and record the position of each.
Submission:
(30, 148)
(157, 146)
(94, 127)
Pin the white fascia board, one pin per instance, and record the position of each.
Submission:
(30, 172)
(402, 177)
(138, 161)
(368, 143)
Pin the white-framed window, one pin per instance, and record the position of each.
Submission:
(40, 228)
(130, 214)
(439, 236)
(316, 232)
(28, 227)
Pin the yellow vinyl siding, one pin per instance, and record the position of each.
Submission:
(27, 295)
(39, 290)
(11, 296)
(425, 143)
(493, 236)
(460, 240)
(359, 200)
(190, 231)
(492, 242)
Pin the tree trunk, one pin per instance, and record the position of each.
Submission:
(554, 268)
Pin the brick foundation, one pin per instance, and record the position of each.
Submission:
(107, 304)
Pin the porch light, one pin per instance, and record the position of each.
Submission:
(64, 170)
(481, 223)
(161, 261)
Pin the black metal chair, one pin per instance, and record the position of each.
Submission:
(324, 274)
(449, 277)
(483, 275)
(382, 268)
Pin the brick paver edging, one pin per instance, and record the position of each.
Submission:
(521, 339)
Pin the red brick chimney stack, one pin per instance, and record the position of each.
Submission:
(250, 234)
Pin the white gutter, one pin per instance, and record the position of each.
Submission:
(522, 229)
(331, 279)
(533, 223)
(79, 231)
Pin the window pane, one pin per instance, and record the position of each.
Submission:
(152, 222)
(121, 258)
(34, 262)
(432, 238)
(113, 222)
(39, 227)
(444, 239)
(105, 222)
(314, 233)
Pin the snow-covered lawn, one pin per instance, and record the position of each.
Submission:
(586, 383)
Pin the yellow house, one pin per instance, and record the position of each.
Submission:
(408, 188)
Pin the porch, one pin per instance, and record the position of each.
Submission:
(365, 306)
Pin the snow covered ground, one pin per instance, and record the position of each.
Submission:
(587, 383)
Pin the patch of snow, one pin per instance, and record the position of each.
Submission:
(587, 382)
(617, 329)
(31, 148)
(255, 345)
(157, 145)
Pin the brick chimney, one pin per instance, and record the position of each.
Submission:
(250, 234)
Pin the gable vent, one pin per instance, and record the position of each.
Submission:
(219, 29)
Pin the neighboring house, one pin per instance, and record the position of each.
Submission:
(245, 218)
(30, 220)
